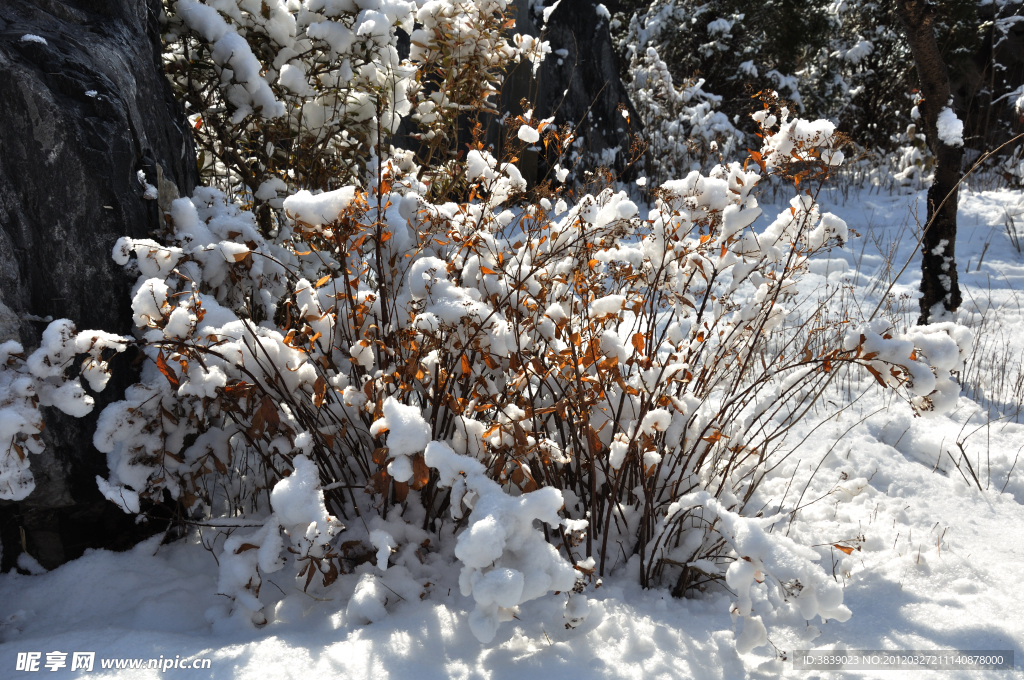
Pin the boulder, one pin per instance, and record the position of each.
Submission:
(87, 121)
(579, 83)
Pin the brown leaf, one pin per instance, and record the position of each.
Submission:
(843, 548)
(878, 376)
(332, 573)
(638, 342)
(309, 577)
(161, 363)
(379, 482)
(420, 472)
(268, 411)
(713, 437)
(319, 391)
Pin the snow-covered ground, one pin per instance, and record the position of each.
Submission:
(932, 509)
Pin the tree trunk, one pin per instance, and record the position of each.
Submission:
(938, 265)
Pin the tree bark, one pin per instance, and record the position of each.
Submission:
(939, 283)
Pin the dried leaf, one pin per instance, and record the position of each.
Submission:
(319, 391)
(332, 573)
(638, 342)
(379, 482)
(161, 363)
(309, 577)
(878, 376)
(420, 472)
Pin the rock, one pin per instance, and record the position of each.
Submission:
(85, 108)
(579, 82)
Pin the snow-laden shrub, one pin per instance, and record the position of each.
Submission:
(682, 126)
(732, 45)
(303, 94)
(41, 379)
(567, 386)
(425, 369)
(840, 60)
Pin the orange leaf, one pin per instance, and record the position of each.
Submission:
(466, 370)
(486, 270)
(322, 281)
(878, 376)
(420, 472)
(638, 342)
(161, 364)
(319, 391)
(846, 550)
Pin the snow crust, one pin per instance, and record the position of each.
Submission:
(950, 128)
(931, 559)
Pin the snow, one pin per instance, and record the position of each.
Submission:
(232, 52)
(270, 189)
(879, 529)
(950, 128)
(30, 37)
(295, 499)
(318, 209)
(408, 433)
(609, 304)
(528, 134)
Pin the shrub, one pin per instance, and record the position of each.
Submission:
(566, 386)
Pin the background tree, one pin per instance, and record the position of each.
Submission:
(944, 133)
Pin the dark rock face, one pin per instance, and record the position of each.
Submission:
(82, 114)
(580, 86)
